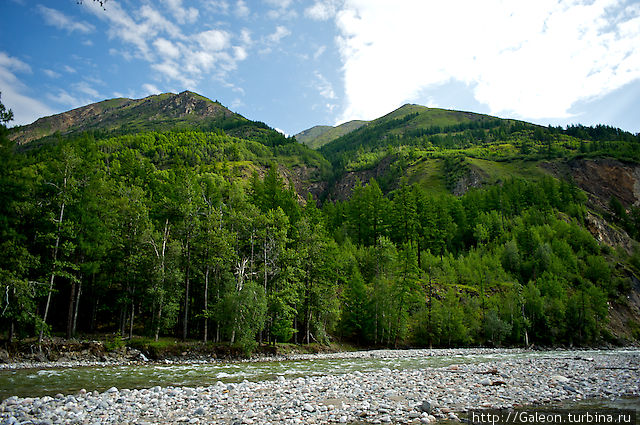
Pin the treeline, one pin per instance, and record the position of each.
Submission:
(506, 265)
(483, 137)
(150, 235)
(97, 237)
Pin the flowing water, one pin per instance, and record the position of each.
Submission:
(68, 380)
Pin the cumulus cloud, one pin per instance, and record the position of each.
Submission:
(181, 13)
(61, 21)
(213, 40)
(529, 59)
(281, 9)
(242, 10)
(280, 33)
(175, 52)
(322, 10)
(166, 48)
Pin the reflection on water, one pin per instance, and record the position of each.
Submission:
(50, 381)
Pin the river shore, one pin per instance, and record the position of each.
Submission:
(381, 396)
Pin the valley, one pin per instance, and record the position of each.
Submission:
(173, 216)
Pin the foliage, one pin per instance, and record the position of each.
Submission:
(199, 234)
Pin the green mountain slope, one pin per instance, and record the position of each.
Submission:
(320, 135)
(177, 217)
(409, 122)
(168, 111)
(417, 142)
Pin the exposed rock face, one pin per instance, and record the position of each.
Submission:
(623, 315)
(305, 180)
(474, 178)
(602, 179)
(341, 189)
(604, 233)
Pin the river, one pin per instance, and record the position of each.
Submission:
(398, 368)
(68, 380)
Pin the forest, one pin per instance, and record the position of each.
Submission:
(196, 235)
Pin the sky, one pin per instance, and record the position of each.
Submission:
(294, 64)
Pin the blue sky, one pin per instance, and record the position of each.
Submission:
(294, 64)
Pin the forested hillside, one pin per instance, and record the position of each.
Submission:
(448, 232)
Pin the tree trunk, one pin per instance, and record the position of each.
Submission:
(123, 319)
(133, 310)
(76, 308)
(206, 303)
(72, 299)
(158, 319)
(185, 322)
(217, 301)
(161, 255)
(53, 273)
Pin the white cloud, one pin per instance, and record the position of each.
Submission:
(242, 10)
(282, 9)
(61, 21)
(217, 6)
(319, 52)
(154, 23)
(172, 51)
(84, 87)
(531, 59)
(69, 100)
(322, 10)
(171, 70)
(279, 34)
(324, 86)
(245, 36)
(166, 48)
(51, 73)
(214, 40)
(280, 4)
(124, 27)
(25, 109)
(70, 70)
(182, 14)
(281, 131)
(236, 103)
(9, 63)
(149, 89)
(240, 53)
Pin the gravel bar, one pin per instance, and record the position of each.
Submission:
(383, 396)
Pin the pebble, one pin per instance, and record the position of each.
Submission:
(375, 396)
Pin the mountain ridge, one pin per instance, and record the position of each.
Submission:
(155, 112)
(319, 135)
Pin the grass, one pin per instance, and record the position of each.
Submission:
(500, 171)
(429, 174)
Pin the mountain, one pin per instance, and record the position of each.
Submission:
(408, 121)
(168, 111)
(176, 215)
(319, 135)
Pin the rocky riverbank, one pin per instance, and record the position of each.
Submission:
(382, 396)
(59, 352)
